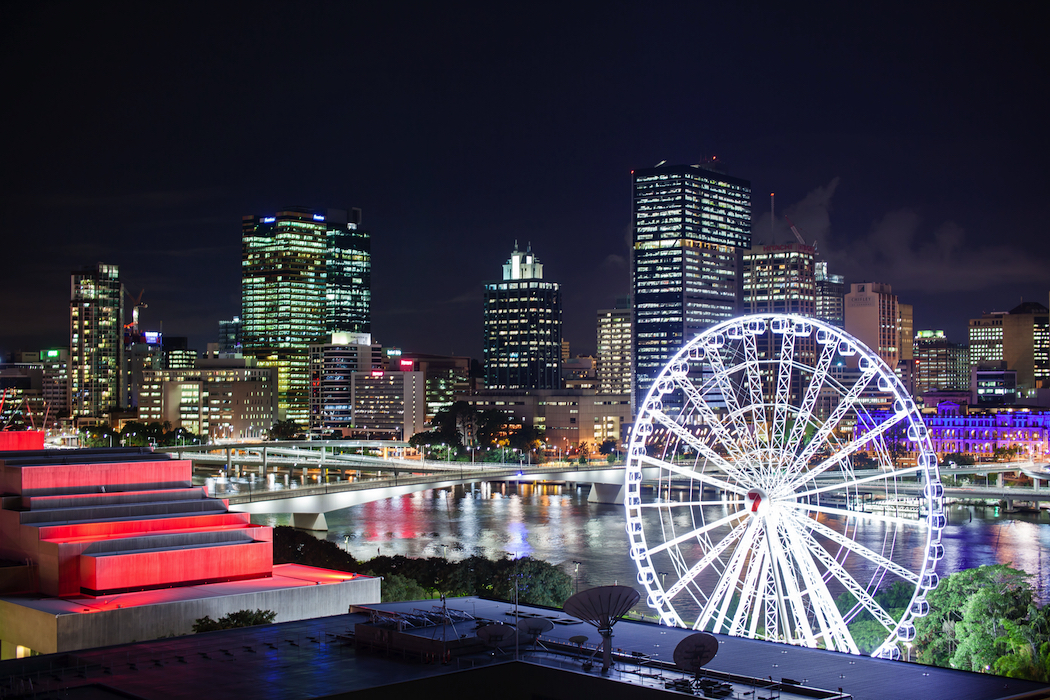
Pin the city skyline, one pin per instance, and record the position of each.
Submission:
(905, 143)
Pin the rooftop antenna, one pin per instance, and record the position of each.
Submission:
(772, 218)
(602, 607)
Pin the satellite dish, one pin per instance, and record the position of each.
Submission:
(495, 635)
(579, 640)
(535, 626)
(695, 651)
(602, 607)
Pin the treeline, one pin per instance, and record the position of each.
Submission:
(537, 582)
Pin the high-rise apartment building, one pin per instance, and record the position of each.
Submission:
(779, 279)
(230, 341)
(831, 295)
(691, 224)
(873, 318)
(304, 273)
(1021, 338)
(614, 348)
(523, 327)
(96, 343)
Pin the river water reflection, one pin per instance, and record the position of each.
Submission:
(558, 525)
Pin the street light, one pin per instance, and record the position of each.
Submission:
(577, 572)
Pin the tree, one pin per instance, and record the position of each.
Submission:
(397, 587)
(537, 582)
(241, 618)
(965, 618)
(284, 430)
(957, 457)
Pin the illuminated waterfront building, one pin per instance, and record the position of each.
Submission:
(304, 274)
(567, 417)
(96, 347)
(523, 327)
(387, 405)
(690, 225)
(1019, 337)
(614, 348)
(219, 398)
(831, 295)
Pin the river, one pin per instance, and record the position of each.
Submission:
(558, 525)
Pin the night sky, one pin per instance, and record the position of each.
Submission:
(911, 144)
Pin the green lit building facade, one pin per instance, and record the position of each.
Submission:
(691, 224)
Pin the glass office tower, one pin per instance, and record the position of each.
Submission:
(691, 224)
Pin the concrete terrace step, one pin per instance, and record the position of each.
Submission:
(161, 542)
(115, 498)
(121, 511)
(92, 531)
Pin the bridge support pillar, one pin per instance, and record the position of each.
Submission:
(1035, 484)
(309, 521)
(609, 494)
(999, 479)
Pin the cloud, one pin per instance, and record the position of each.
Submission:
(906, 251)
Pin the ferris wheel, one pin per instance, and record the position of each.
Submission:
(779, 482)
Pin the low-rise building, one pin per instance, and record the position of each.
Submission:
(567, 417)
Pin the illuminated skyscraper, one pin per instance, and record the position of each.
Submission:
(283, 299)
(305, 274)
(96, 347)
(522, 327)
(691, 224)
(873, 318)
(348, 268)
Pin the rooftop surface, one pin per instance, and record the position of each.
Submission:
(284, 576)
(313, 658)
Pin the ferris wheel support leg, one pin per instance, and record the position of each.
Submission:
(608, 494)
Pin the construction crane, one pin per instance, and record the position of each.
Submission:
(794, 230)
(136, 305)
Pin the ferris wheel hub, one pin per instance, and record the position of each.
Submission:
(757, 502)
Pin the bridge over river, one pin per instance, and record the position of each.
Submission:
(248, 475)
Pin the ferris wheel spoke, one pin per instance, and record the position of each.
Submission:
(754, 385)
(709, 559)
(809, 402)
(750, 593)
(849, 583)
(837, 414)
(721, 433)
(696, 532)
(785, 364)
(832, 626)
(727, 582)
(696, 443)
(889, 476)
(788, 577)
(860, 550)
(688, 504)
(855, 514)
(728, 394)
(695, 475)
(845, 451)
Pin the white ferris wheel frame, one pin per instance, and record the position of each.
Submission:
(770, 553)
